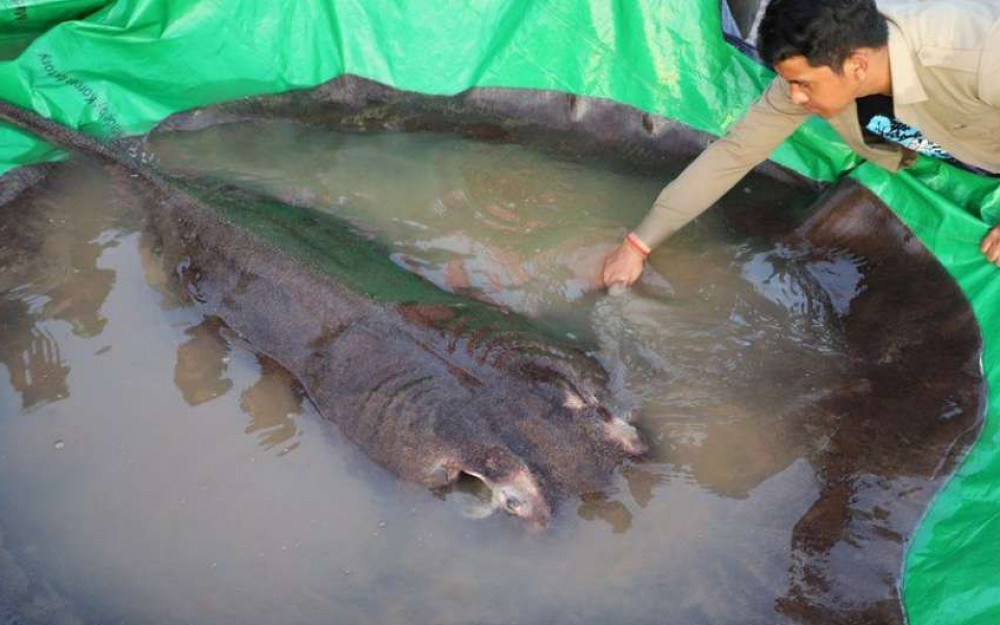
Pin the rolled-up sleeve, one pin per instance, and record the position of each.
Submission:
(767, 123)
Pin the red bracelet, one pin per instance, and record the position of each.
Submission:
(638, 245)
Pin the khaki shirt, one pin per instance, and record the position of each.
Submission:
(944, 58)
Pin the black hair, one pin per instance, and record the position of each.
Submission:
(825, 32)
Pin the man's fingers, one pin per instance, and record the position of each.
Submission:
(990, 246)
(617, 289)
(992, 249)
(989, 241)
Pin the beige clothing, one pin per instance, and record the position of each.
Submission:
(944, 58)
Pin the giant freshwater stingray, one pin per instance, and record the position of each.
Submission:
(883, 439)
(881, 445)
(431, 387)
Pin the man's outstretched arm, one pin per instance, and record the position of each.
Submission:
(724, 163)
(990, 91)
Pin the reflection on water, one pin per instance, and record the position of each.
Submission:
(272, 403)
(36, 368)
(173, 497)
(200, 372)
(49, 260)
(614, 513)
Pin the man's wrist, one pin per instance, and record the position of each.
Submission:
(636, 244)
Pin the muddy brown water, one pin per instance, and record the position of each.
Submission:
(155, 469)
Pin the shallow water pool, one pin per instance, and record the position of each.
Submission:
(157, 470)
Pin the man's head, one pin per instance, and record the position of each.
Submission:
(823, 48)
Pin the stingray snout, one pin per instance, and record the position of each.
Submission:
(513, 487)
(519, 494)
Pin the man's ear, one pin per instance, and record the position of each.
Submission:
(857, 65)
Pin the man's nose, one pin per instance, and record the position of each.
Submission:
(798, 96)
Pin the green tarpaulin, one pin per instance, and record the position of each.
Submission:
(21, 21)
(117, 68)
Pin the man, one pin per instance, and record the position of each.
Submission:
(906, 76)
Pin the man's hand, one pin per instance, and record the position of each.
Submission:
(991, 245)
(624, 265)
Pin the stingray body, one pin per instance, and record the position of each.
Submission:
(430, 385)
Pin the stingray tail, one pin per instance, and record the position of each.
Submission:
(67, 138)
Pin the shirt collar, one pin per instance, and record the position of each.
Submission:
(906, 87)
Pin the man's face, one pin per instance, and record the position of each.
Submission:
(820, 89)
